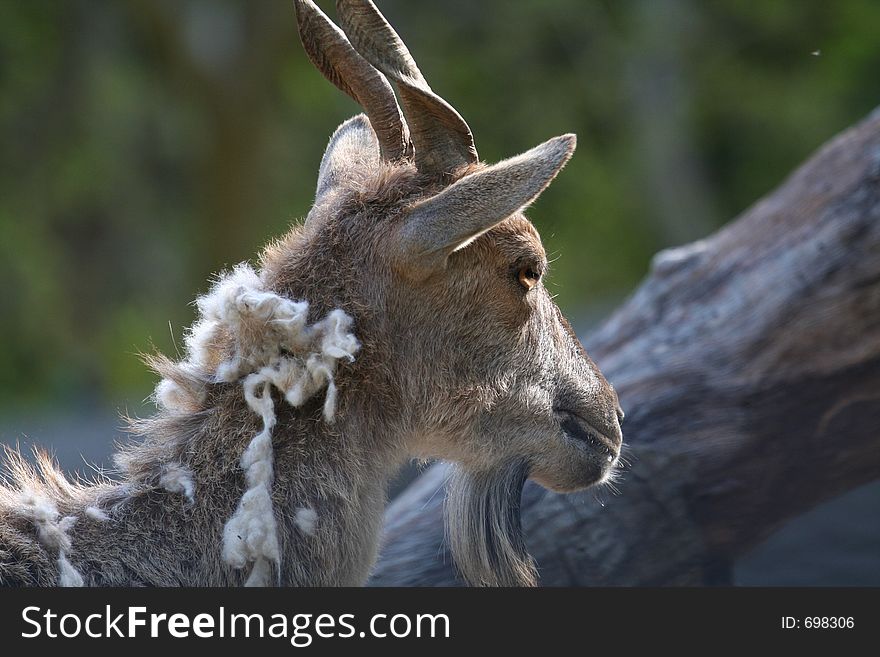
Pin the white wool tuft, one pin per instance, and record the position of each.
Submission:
(306, 519)
(251, 534)
(177, 478)
(174, 397)
(51, 532)
(95, 513)
(68, 575)
(248, 334)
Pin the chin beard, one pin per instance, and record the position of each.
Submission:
(484, 529)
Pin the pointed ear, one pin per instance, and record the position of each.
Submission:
(474, 204)
(353, 146)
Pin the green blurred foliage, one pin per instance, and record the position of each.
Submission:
(145, 144)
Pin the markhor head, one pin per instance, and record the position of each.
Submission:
(434, 248)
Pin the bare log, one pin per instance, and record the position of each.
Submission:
(748, 364)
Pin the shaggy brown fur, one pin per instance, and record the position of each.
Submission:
(459, 360)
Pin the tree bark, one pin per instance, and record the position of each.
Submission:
(748, 364)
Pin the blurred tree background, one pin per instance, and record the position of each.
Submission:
(145, 144)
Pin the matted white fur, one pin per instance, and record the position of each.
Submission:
(177, 478)
(306, 518)
(95, 513)
(248, 334)
(51, 532)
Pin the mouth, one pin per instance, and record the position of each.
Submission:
(578, 429)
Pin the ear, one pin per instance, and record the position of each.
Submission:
(352, 147)
(474, 204)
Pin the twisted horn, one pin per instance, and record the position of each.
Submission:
(441, 137)
(332, 54)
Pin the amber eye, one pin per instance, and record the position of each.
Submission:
(528, 277)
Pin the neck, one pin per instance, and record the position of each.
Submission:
(184, 482)
(329, 495)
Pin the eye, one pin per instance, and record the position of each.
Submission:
(528, 277)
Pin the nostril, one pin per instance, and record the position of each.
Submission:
(606, 442)
(620, 415)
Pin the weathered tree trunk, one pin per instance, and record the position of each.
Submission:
(748, 365)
